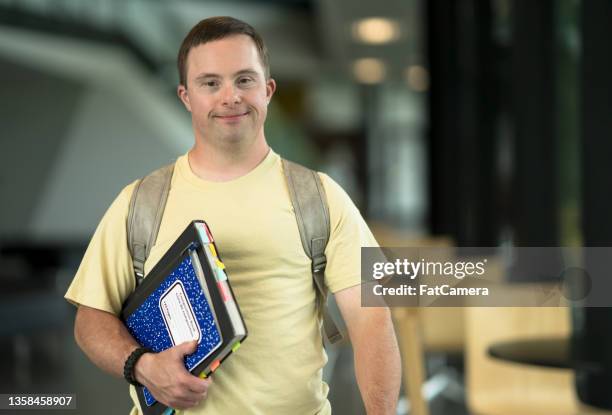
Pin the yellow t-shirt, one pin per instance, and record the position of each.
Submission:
(278, 368)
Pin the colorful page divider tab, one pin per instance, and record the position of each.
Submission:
(235, 347)
(202, 233)
(209, 234)
(220, 264)
(228, 291)
(212, 261)
(223, 290)
(213, 250)
(220, 274)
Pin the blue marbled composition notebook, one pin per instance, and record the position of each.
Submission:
(178, 310)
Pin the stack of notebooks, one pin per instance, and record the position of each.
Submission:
(185, 297)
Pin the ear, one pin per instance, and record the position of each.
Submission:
(270, 88)
(183, 95)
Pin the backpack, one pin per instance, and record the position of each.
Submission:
(309, 204)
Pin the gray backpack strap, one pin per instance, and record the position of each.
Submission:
(145, 214)
(312, 215)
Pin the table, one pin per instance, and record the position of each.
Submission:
(546, 352)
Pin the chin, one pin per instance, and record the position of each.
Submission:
(233, 140)
(229, 139)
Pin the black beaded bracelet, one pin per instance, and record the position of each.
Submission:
(130, 364)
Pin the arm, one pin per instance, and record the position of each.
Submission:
(377, 359)
(107, 343)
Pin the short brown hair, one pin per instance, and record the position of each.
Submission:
(215, 28)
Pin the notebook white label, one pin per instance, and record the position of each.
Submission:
(178, 315)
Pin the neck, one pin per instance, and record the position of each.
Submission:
(219, 165)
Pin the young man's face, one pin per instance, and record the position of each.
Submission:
(227, 92)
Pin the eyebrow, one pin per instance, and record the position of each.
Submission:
(204, 76)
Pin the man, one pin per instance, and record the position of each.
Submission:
(233, 180)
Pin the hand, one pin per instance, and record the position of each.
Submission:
(164, 374)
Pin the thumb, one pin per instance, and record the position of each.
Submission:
(188, 347)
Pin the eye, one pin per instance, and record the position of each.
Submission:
(245, 80)
(211, 84)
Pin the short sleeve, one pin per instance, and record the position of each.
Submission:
(348, 234)
(106, 277)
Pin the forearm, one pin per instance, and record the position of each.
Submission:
(108, 344)
(104, 339)
(377, 362)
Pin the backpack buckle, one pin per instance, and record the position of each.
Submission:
(319, 263)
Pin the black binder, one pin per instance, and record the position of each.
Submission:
(186, 296)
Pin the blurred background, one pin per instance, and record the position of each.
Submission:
(449, 122)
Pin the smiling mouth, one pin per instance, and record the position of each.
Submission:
(232, 116)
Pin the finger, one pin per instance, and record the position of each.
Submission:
(202, 397)
(197, 384)
(188, 396)
(184, 403)
(199, 391)
(187, 348)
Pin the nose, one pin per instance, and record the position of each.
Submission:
(230, 95)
